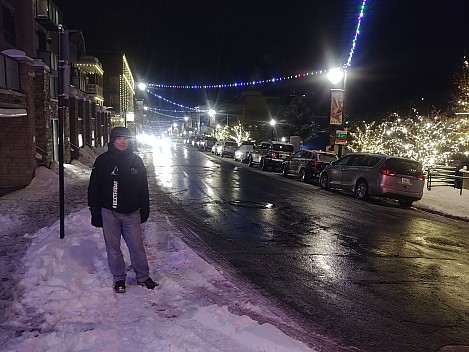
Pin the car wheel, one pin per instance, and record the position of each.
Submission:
(302, 175)
(361, 190)
(263, 165)
(324, 181)
(285, 170)
(405, 202)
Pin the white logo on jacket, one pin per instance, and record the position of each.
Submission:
(114, 194)
(115, 171)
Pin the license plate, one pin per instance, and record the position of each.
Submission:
(406, 181)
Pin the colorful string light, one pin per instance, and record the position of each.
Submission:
(274, 79)
(165, 110)
(171, 102)
(165, 115)
(232, 85)
(355, 38)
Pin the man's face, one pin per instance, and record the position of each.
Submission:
(121, 143)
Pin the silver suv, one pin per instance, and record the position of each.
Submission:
(367, 174)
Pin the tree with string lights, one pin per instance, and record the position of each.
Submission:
(461, 94)
(236, 133)
(432, 139)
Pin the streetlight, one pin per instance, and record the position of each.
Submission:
(184, 125)
(272, 123)
(335, 76)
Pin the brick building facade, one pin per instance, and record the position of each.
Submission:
(29, 104)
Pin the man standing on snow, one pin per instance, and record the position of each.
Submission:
(119, 202)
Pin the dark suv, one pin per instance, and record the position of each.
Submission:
(307, 164)
(206, 143)
(270, 154)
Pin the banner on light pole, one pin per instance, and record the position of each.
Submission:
(337, 106)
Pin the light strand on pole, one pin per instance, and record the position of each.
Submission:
(355, 38)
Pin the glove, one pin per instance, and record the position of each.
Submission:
(144, 214)
(96, 218)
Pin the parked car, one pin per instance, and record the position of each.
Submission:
(206, 143)
(189, 140)
(307, 164)
(227, 148)
(196, 141)
(270, 154)
(215, 146)
(243, 151)
(367, 174)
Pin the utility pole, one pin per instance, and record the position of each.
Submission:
(63, 95)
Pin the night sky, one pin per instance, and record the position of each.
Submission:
(407, 49)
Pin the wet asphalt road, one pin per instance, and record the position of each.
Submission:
(371, 276)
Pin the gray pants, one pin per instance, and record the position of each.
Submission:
(127, 225)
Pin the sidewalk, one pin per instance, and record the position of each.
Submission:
(446, 201)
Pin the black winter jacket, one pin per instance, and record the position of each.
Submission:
(119, 182)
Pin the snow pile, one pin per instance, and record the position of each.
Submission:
(87, 155)
(68, 304)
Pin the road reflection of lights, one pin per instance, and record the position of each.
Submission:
(209, 189)
(209, 163)
(163, 162)
(324, 261)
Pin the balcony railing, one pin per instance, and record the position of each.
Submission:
(94, 89)
(47, 14)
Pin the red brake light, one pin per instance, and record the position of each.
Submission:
(388, 172)
(273, 155)
(315, 163)
(421, 177)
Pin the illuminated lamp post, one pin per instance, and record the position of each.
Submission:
(336, 76)
(211, 114)
(185, 127)
(272, 123)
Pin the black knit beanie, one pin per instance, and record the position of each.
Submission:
(119, 131)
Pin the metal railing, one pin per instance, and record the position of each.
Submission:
(440, 175)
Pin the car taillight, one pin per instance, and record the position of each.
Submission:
(273, 155)
(421, 177)
(388, 172)
(315, 163)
